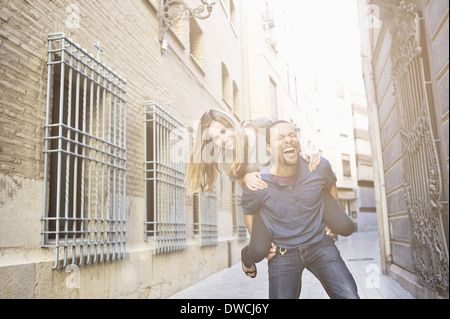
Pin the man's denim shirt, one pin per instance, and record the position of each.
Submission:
(293, 215)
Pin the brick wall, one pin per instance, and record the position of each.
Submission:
(128, 34)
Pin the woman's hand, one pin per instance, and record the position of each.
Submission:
(312, 158)
(254, 182)
(329, 232)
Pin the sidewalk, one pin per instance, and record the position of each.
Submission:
(360, 252)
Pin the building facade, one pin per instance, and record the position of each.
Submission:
(365, 207)
(273, 80)
(405, 63)
(296, 76)
(97, 110)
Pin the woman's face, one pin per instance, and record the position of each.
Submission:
(220, 135)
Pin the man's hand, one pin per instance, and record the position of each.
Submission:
(272, 252)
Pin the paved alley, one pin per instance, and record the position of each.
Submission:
(360, 252)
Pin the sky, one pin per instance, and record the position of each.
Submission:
(325, 37)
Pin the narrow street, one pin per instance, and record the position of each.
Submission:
(360, 252)
(125, 127)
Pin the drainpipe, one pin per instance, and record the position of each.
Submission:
(375, 138)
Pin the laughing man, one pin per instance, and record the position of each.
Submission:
(292, 210)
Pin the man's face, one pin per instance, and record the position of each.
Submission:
(284, 142)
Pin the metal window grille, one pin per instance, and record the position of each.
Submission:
(164, 180)
(205, 219)
(85, 157)
(423, 184)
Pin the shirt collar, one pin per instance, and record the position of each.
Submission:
(267, 175)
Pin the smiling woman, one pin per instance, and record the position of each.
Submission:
(222, 136)
(219, 141)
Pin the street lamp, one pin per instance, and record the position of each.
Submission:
(173, 11)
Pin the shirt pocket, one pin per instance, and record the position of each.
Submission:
(283, 206)
(309, 196)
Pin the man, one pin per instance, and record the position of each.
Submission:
(292, 210)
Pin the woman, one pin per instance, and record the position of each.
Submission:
(222, 143)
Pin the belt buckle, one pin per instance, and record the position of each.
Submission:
(282, 251)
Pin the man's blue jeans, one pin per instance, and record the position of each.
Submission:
(323, 260)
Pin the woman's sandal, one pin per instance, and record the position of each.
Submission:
(249, 272)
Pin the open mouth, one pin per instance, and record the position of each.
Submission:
(289, 151)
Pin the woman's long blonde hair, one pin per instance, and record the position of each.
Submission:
(201, 175)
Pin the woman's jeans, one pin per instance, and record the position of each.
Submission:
(323, 260)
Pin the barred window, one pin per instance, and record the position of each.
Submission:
(85, 157)
(423, 178)
(205, 218)
(164, 180)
